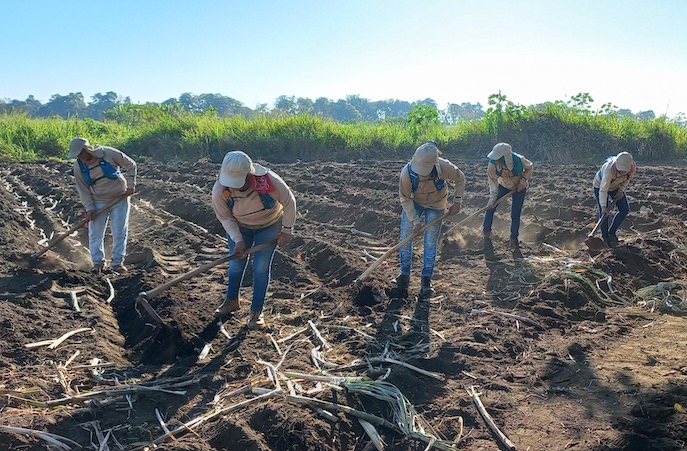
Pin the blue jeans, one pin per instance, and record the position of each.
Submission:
(119, 213)
(517, 200)
(431, 240)
(262, 264)
(623, 209)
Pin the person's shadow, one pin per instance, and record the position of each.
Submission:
(505, 279)
(494, 263)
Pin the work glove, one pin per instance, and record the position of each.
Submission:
(604, 211)
(130, 191)
(522, 185)
(492, 204)
(417, 228)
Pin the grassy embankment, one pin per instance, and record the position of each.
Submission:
(554, 133)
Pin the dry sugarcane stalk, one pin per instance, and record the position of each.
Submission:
(509, 315)
(128, 389)
(314, 377)
(349, 410)
(56, 342)
(163, 425)
(53, 439)
(276, 345)
(95, 365)
(103, 444)
(407, 365)
(299, 331)
(203, 418)
(71, 359)
(336, 326)
(112, 291)
(372, 433)
(38, 344)
(319, 336)
(365, 416)
(60, 340)
(75, 301)
(218, 397)
(505, 441)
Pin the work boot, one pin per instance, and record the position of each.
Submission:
(426, 289)
(227, 307)
(400, 291)
(98, 268)
(514, 243)
(119, 269)
(256, 320)
(612, 240)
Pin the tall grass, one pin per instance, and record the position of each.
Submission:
(552, 133)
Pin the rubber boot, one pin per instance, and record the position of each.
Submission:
(400, 291)
(426, 289)
(227, 307)
(256, 320)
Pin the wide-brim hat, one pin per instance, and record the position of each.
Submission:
(425, 158)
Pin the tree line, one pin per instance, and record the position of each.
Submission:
(351, 109)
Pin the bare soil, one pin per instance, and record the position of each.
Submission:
(588, 367)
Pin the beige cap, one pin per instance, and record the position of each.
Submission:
(425, 158)
(236, 166)
(623, 161)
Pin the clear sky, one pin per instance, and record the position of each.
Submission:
(628, 52)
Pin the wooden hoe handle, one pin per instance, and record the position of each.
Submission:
(386, 254)
(77, 226)
(159, 289)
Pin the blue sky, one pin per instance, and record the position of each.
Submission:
(627, 52)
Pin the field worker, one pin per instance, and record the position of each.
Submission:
(99, 180)
(255, 206)
(610, 183)
(423, 188)
(506, 171)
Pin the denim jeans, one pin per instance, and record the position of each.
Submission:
(517, 201)
(119, 214)
(262, 263)
(431, 240)
(623, 209)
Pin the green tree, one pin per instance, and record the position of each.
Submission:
(72, 104)
(423, 119)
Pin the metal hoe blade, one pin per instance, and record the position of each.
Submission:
(595, 244)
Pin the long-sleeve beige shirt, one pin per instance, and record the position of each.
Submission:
(506, 179)
(105, 189)
(608, 180)
(427, 194)
(250, 212)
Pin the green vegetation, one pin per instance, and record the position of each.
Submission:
(556, 132)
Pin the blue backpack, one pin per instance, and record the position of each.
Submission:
(108, 171)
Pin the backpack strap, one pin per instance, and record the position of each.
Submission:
(439, 183)
(108, 171)
(262, 184)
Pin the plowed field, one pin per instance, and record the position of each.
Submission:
(565, 348)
